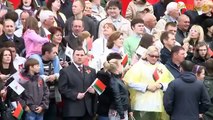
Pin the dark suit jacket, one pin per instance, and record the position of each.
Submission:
(42, 32)
(19, 42)
(192, 14)
(180, 36)
(72, 41)
(71, 82)
(89, 25)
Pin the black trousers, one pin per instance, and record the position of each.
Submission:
(85, 117)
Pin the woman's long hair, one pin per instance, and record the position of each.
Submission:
(196, 53)
(11, 67)
(31, 23)
(189, 40)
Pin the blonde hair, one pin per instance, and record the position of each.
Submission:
(152, 49)
(201, 34)
(111, 66)
(83, 35)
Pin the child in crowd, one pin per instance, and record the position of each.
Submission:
(35, 98)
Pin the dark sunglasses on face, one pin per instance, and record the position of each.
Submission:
(153, 56)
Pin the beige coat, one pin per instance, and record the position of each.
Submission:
(124, 26)
(133, 8)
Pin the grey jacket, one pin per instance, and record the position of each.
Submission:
(36, 92)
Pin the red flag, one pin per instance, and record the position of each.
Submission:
(18, 111)
(155, 75)
(124, 60)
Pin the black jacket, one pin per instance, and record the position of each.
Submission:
(208, 82)
(19, 42)
(165, 55)
(120, 100)
(186, 97)
(105, 99)
(199, 60)
(173, 68)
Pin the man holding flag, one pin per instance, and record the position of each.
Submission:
(75, 86)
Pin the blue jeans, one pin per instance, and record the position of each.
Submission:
(102, 118)
(33, 116)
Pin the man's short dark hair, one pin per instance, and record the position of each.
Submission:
(47, 47)
(114, 56)
(209, 66)
(173, 24)
(30, 62)
(115, 3)
(165, 36)
(187, 65)
(176, 49)
(8, 44)
(78, 49)
(136, 21)
(12, 15)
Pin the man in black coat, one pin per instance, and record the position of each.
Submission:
(8, 35)
(186, 97)
(74, 81)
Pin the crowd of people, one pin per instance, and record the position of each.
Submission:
(153, 63)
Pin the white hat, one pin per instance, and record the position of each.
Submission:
(45, 14)
(171, 6)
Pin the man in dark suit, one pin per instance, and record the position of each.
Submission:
(77, 27)
(74, 81)
(8, 35)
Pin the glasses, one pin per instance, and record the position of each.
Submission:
(153, 56)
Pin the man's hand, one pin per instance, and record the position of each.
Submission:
(27, 109)
(51, 78)
(80, 96)
(158, 85)
(152, 87)
(3, 92)
(39, 109)
(91, 90)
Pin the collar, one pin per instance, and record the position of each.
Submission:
(27, 7)
(9, 37)
(137, 36)
(47, 32)
(171, 18)
(74, 35)
(78, 65)
(118, 19)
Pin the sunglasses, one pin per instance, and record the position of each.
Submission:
(153, 56)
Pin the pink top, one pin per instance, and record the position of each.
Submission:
(33, 42)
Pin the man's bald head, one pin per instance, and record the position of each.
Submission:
(183, 22)
(149, 20)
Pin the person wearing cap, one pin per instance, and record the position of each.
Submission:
(171, 15)
(137, 6)
(47, 20)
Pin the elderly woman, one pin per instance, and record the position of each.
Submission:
(147, 79)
